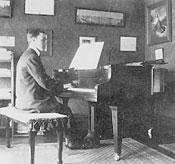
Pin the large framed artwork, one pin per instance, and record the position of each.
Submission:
(6, 8)
(159, 22)
(96, 17)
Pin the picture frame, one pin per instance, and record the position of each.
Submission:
(159, 54)
(86, 39)
(97, 17)
(128, 43)
(7, 41)
(6, 8)
(48, 52)
(46, 7)
(159, 22)
(49, 48)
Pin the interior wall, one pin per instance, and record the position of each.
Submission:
(164, 104)
(66, 31)
(168, 47)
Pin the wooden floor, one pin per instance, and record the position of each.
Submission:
(133, 152)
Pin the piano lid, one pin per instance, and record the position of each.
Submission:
(87, 56)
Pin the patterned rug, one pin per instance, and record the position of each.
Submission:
(133, 152)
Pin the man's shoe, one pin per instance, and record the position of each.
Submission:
(72, 144)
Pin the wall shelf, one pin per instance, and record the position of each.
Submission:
(6, 82)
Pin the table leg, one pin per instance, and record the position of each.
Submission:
(117, 126)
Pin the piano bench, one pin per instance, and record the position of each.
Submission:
(33, 121)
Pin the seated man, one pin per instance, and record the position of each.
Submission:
(34, 88)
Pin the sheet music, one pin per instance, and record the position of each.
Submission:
(87, 56)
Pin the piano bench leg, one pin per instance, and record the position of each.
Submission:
(60, 145)
(8, 132)
(32, 135)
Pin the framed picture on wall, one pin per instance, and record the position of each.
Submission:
(159, 54)
(128, 43)
(44, 7)
(49, 40)
(159, 22)
(96, 17)
(86, 39)
(6, 8)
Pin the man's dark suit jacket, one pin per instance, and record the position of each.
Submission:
(33, 85)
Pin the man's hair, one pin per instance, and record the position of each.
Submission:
(33, 33)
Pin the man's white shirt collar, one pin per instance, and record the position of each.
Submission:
(35, 49)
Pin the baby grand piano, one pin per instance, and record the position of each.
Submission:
(83, 78)
(110, 84)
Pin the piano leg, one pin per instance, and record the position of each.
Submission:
(91, 138)
(116, 122)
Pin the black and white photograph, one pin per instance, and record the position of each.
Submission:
(6, 8)
(159, 22)
(86, 39)
(87, 16)
(87, 81)
(46, 7)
